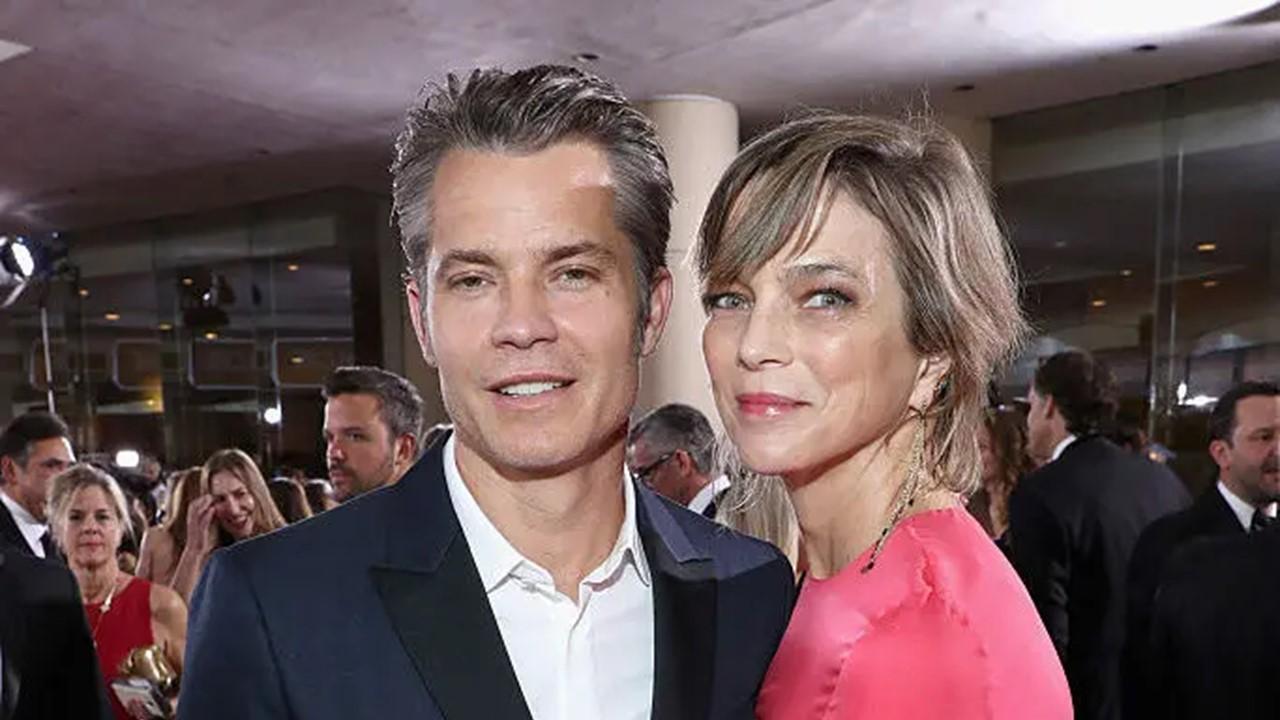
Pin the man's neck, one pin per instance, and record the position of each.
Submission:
(567, 523)
(27, 515)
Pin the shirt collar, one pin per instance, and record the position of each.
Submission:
(708, 493)
(30, 528)
(497, 559)
(1242, 509)
(1061, 447)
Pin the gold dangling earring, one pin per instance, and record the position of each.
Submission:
(906, 494)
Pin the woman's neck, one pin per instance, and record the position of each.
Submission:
(97, 582)
(843, 508)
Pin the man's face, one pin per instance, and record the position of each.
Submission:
(530, 308)
(1250, 463)
(1040, 436)
(661, 471)
(28, 484)
(359, 450)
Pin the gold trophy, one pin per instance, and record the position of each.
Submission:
(146, 681)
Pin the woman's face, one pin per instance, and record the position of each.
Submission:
(93, 530)
(809, 358)
(233, 505)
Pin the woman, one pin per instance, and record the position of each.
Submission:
(859, 296)
(90, 518)
(1002, 445)
(163, 545)
(234, 505)
(289, 499)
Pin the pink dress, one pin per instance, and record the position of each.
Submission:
(941, 627)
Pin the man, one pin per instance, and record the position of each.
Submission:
(33, 448)
(1214, 630)
(372, 429)
(48, 667)
(672, 450)
(1073, 523)
(514, 572)
(1243, 431)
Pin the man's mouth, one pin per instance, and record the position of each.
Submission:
(529, 389)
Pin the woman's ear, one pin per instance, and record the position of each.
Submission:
(931, 382)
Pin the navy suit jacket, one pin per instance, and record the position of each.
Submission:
(376, 609)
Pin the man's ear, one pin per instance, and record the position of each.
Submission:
(406, 448)
(413, 297)
(659, 309)
(8, 470)
(1220, 451)
(685, 462)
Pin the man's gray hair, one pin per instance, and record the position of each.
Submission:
(399, 402)
(525, 112)
(678, 427)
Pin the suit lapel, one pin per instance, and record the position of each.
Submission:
(1217, 514)
(432, 593)
(10, 535)
(684, 609)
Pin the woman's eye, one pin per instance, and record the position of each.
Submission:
(724, 301)
(824, 299)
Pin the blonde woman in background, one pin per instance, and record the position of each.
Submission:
(163, 544)
(234, 505)
(90, 517)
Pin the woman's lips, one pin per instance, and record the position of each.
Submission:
(767, 405)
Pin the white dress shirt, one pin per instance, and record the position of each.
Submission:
(1243, 510)
(590, 659)
(708, 493)
(32, 530)
(1061, 447)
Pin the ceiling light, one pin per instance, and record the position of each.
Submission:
(1126, 272)
(127, 459)
(16, 257)
(272, 415)
(165, 327)
(111, 317)
(188, 281)
(1210, 283)
(211, 335)
(1060, 244)
(1098, 303)
(84, 292)
(295, 360)
(293, 267)
(1206, 247)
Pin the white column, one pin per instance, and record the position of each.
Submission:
(700, 136)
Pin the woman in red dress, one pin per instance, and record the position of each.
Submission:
(860, 297)
(124, 612)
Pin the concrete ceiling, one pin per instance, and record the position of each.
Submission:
(129, 110)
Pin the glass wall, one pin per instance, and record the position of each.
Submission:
(1148, 231)
(177, 337)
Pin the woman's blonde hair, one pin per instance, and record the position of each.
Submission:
(265, 515)
(65, 485)
(949, 254)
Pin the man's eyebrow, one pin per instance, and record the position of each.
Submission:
(465, 257)
(586, 248)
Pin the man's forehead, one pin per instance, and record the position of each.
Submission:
(51, 447)
(1258, 411)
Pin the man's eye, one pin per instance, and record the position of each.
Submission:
(467, 282)
(575, 276)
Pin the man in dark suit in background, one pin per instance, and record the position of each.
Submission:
(48, 667)
(1073, 523)
(514, 571)
(1215, 628)
(1242, 442)
(673, 451)
(33, 448)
